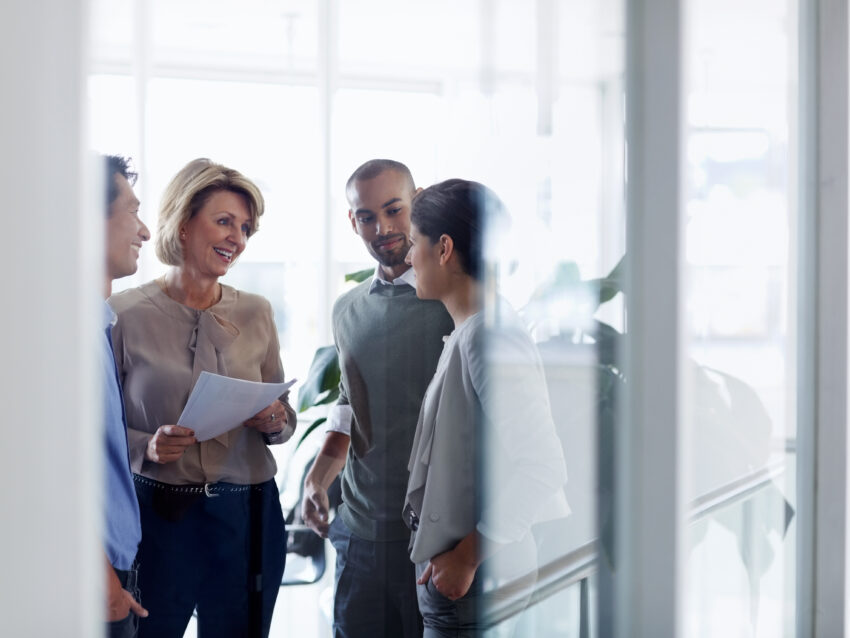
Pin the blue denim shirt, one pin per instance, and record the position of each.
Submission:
(123, 529)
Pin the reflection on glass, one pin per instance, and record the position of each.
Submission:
(112, 30)
(740, 278)
(260, 37)
(525, 97)
(241, 123)
(392, 39)
(559, 269)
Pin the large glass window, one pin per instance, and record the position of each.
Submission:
(527, 98)
(516, 96)
(740, 343)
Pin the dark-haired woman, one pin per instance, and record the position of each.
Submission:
(486, 463)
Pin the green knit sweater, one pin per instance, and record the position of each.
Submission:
(389, 342)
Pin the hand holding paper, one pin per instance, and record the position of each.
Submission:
(169, 443)
(271, 420)
(218, 404)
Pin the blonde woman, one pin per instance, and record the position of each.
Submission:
(213, 536)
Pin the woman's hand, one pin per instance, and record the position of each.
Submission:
(452, 571)
(270, 420)
(168, 443)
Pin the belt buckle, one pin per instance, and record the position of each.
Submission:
(413, 518)
(207, 492)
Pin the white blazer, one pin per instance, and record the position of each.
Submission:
(485, 453)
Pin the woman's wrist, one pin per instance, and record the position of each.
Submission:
(281, 436)
(467, 550)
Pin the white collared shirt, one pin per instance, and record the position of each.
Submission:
(407, 278)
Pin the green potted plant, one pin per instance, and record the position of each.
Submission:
(321, 386)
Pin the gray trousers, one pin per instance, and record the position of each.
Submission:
(462, 618)
(445, 618)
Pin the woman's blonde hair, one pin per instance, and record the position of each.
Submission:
(187, 193)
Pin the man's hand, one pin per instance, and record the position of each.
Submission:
(119, 602)
(314, 508)
(123, 605)
(169, 443)
(327, 466)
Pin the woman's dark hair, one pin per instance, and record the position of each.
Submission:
(458, 208)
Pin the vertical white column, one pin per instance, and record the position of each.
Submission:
(547, 64)
(832, 283)
(328, 71)
(649, 490)
(50, 582)
(802, 310)
(822, 461)
(142, 68)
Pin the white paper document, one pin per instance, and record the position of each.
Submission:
(218, 404)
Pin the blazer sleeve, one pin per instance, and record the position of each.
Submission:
(523, 461)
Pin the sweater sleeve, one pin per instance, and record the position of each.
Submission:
(523, 462)
(340, 414)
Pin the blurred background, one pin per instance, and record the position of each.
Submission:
(526, 97)
(529, 98)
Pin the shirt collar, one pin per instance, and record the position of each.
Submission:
(109, 316)
(408, 278)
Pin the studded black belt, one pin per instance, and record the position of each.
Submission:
(207, 489)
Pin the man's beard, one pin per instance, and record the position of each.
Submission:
(395, 258)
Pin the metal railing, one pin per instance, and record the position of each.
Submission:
(577, 566)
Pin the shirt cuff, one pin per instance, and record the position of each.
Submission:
(492, 535)
(339, 419)
(276, 438)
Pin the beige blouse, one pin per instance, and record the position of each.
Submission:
(162, 346)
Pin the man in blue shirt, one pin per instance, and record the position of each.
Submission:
(124, 235)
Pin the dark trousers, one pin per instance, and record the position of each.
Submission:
(375, 590)
(127, 628)
(223, 554)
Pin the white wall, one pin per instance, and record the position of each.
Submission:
(48, 459)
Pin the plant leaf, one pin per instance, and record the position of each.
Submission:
(565, 277)
(360, 275)
(607, 287)
(322, 379)
(309, 430)
(329, 397)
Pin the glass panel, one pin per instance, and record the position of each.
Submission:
(524, 97)
(397, 39)
(271, 134)
(258, 36)
(376, 123)
(113, 125)
(563, 189)
(739, 295)
(112, 31)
